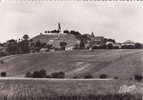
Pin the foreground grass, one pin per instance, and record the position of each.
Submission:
(77, 97)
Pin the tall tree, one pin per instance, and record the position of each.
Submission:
(12, 46)
(24, 44)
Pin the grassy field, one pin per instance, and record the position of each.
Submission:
(115, 63)
(51, 87)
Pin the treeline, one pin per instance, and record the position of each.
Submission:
(43, 74)
(60, 74)
(22, 46)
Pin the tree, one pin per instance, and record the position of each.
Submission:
(66, 31)
(58, 75)
(25, 37)
(3, 74)
(88, 76)
(28, 74)
(38, 45)
(12, 47)
(103, 76)
(45, 31)
(138, 77)
(39, 74)
(63, 45)
(138, 45)
(82, 44)
(110, 46)
(24, 44)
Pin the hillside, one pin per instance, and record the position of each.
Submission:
(115, 63)
(55, 39)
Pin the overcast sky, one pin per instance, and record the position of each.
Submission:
(119, 20)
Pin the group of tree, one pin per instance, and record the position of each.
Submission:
(20, 46)
(25, 45)
(43, 74)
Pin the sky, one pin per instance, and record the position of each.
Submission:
(118, 20)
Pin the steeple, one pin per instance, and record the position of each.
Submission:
(92, 34)
(59, 27)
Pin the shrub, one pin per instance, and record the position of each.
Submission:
(48, 76)
(3, 74)
(28, 74)
(58, 75)
(116, 77)
(39, 74)
(88, 76)
(2, 62)
(138, 45)
(63, 45)
(75, 77)
(103, 76)
(138, 77)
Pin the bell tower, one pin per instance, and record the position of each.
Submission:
(59, 27)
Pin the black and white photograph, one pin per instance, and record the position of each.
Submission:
(71, 50)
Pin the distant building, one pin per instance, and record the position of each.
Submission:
(99, 41)
(117, 45)
(128, 43)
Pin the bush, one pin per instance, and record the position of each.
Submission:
(138, 45)
(75, 77)
(116, 77)
(58, 75)
(28, 74)
(39, 74)
(88, 76)
(48, 76)
(3, 74)
(42, 74)
(2, 62)
(103, 76)
(138, 77)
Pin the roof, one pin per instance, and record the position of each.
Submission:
(128, 41)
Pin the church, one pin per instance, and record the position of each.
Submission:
(55, 37)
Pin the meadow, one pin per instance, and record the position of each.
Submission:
(114, 63)
(120, 63)
(63, 89)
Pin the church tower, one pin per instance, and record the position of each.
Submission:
(59, 27)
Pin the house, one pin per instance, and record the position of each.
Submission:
(98, 41)
(69, 48)
(117, 45)
(128, 43)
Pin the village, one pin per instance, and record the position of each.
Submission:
(59, 39)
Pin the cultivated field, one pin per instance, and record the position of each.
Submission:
(115, 63)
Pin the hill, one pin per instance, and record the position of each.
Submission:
(115, 63)
(55, 39)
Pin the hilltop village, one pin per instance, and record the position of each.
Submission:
(59, 39)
